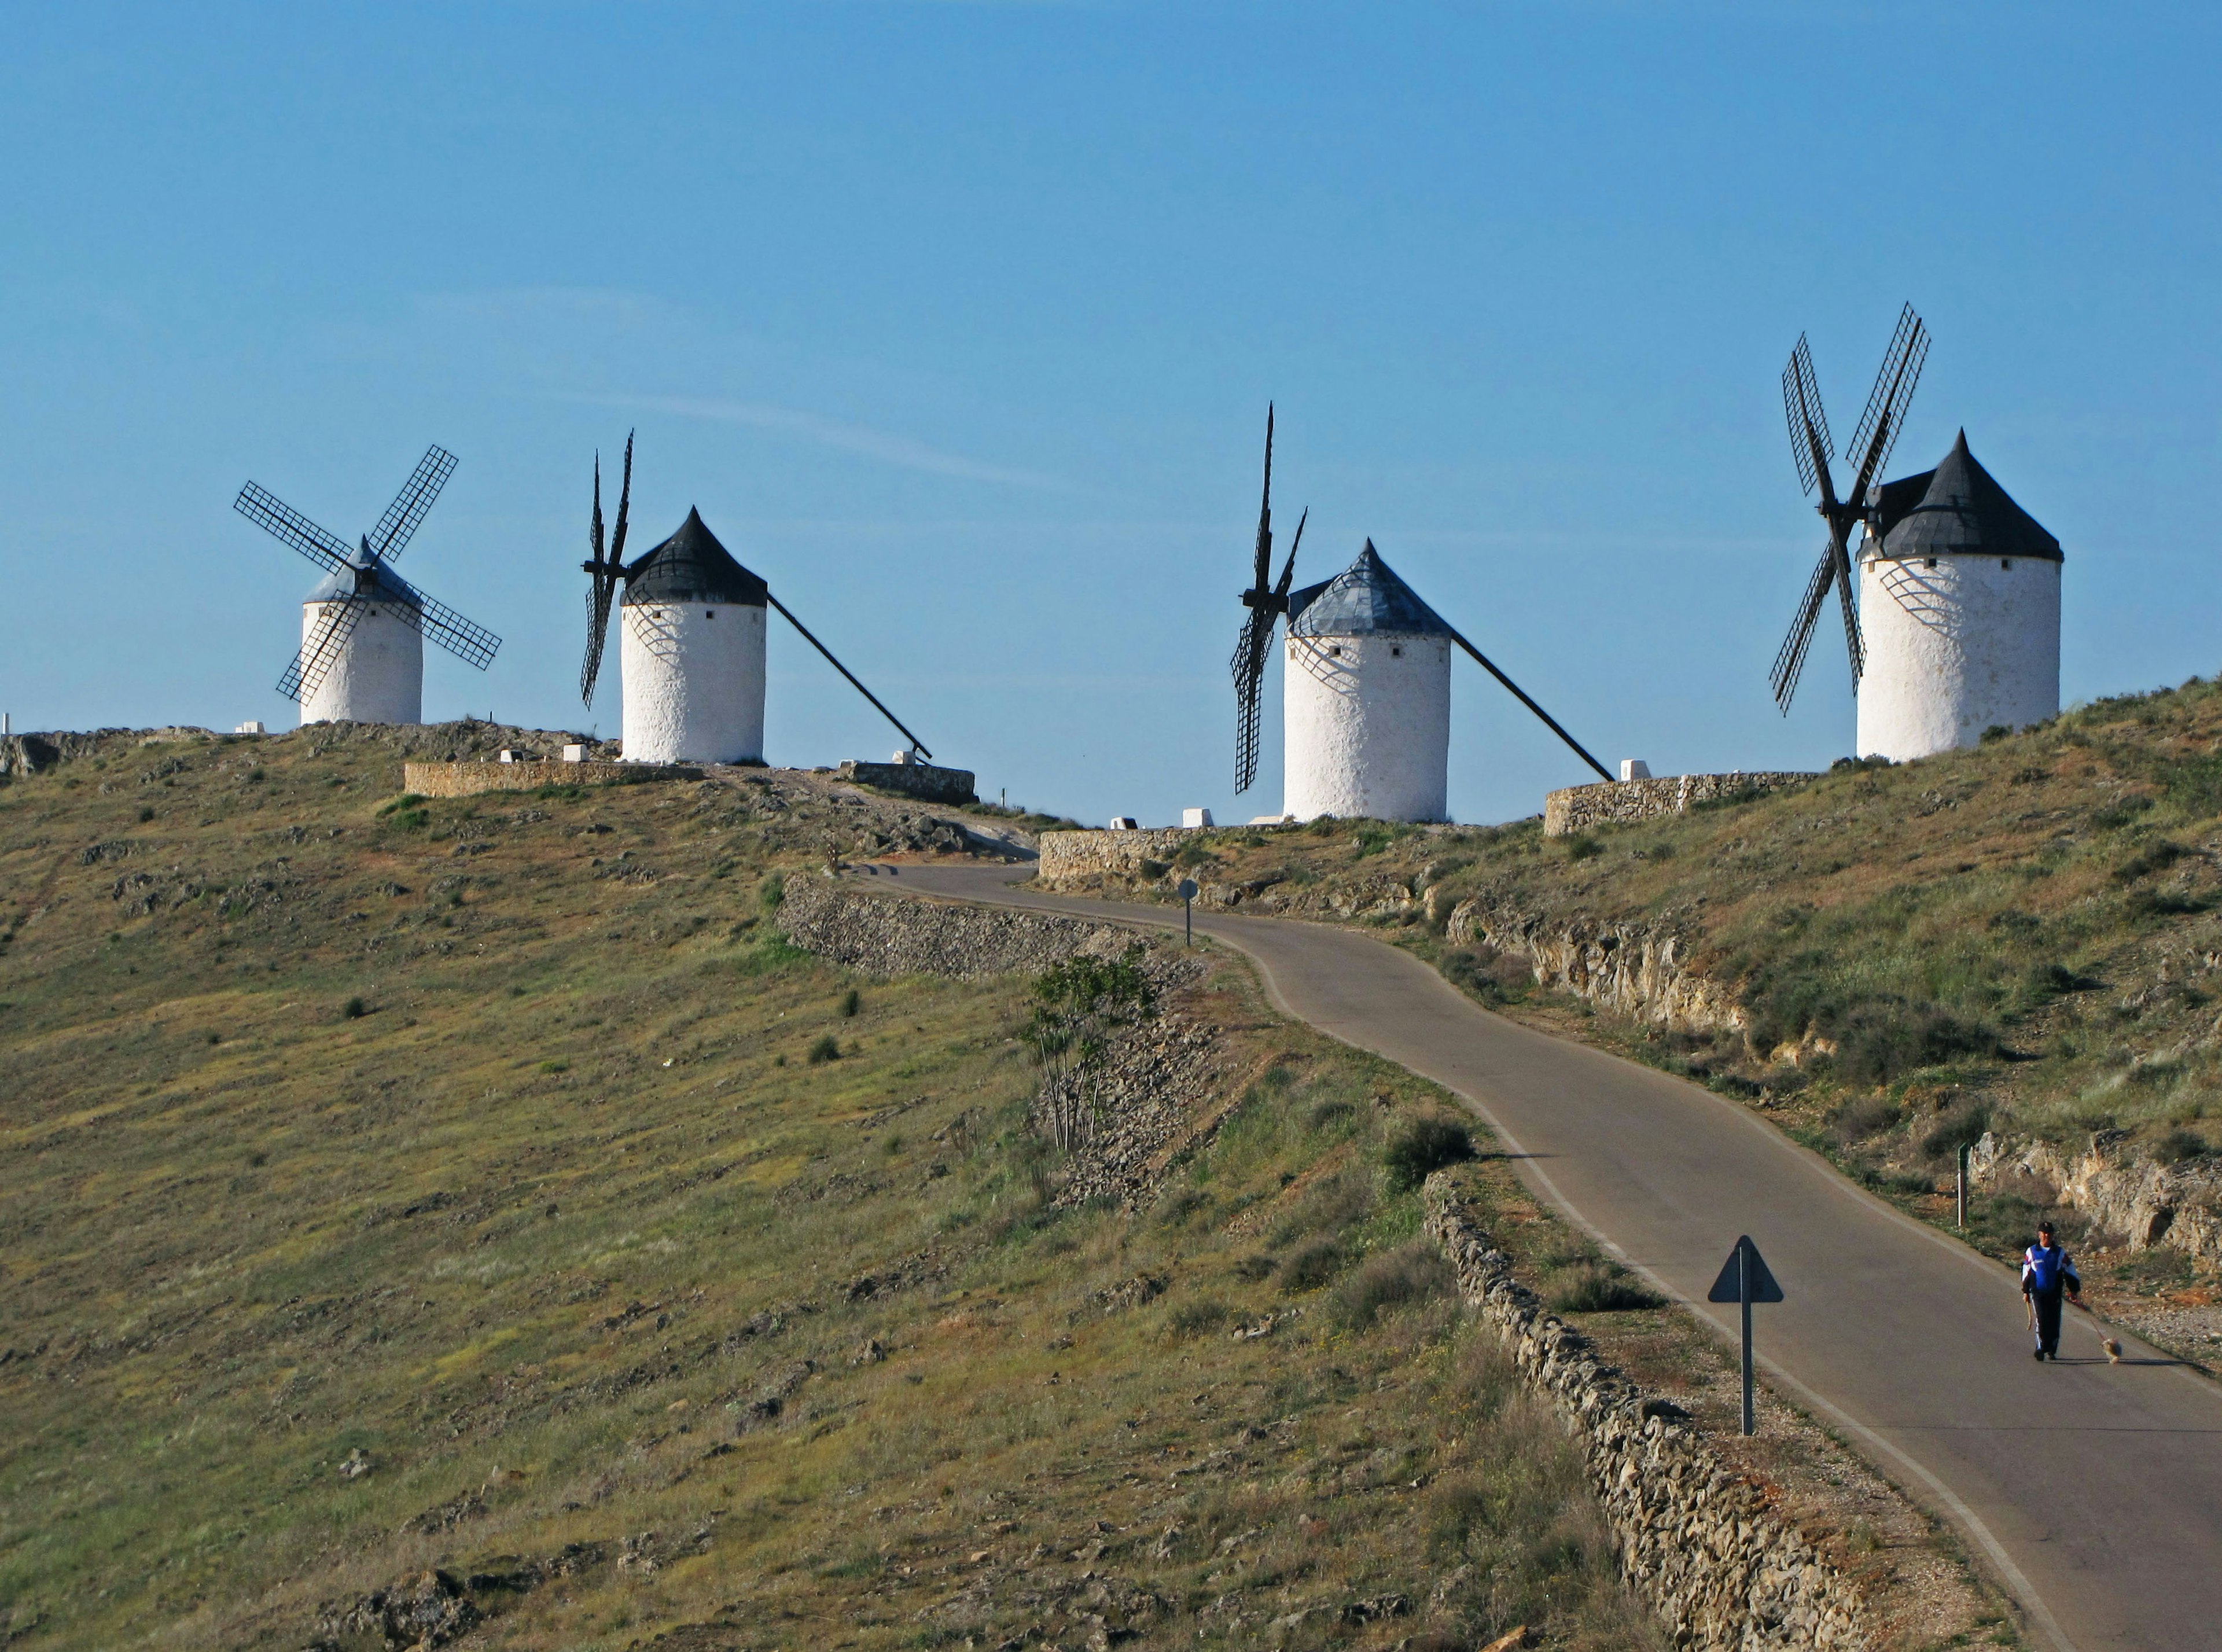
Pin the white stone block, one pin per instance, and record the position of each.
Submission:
(574, 754)
(251, 727)
(1634, 769)
(507, 756)
(1124, 823)
(903, 757)
(1273, 819)
(1196, 817)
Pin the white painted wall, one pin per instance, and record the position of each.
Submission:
(1953, 649)
(1367, 726)
(694, 682)
(379, 677)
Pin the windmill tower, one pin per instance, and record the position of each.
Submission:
(1959, 610)
(363, 626)
(692, 642)
(1366, 690)
(1957, 625)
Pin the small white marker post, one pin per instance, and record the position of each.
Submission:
(1187, 893)
(1960, 1189)
(1744, 1280)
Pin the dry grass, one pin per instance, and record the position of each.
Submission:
(564, 1234)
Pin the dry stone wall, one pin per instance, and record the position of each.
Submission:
(1157, 1086)
(1068, 855)
(1615, 803)
(927, 782)
(468, 779)
(1696, 1541)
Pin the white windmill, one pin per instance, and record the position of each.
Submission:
(1367, 692)
(1957, 625)
(1959, 610)
(363, 626)
(691, 644)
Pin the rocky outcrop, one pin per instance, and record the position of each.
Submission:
(1697, 1541)
(1617, 802)
(1639, 972)
(2128, 1197)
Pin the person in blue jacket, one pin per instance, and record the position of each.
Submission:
(2047, 1273)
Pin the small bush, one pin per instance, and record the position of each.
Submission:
(1599, 1288)
(1423, 1147)
(1582, 846)
(354, 1010)
(1958, 1126)
(1311, 1266)
(554, 1066)
(1855, 1121)
(144, 815)
(1996, 732)
(2178, 1144)
(1154, 870)
(772, 891)
(851, 1003)
(1330, 1114)
(1251, 1269)
(1411, 1273)
(1196, 1316)
(827, 1048)
(2153, 857)
(1178, 1205)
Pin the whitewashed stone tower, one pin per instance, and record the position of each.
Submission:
(1959, 611)
(376, 673)
(693, 653)
(1367, 700)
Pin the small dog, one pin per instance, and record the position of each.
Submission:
(2113, 1350)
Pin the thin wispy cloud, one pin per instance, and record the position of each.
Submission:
(886, 446)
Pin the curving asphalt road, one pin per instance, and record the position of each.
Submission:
(2095, 1490)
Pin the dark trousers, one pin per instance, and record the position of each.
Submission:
(2047, 1304)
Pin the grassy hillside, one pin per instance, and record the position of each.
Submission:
(2025, 936)
(485, 1185)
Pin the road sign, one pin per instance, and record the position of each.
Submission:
(1187, 893)
(1744, 1279)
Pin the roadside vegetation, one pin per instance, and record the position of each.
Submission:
(2024, 938)
(428, 1220)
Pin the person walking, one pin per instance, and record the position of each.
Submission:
(2047, 1273)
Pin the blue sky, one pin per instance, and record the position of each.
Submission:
(958, 323)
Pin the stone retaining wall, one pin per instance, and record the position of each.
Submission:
(1067, 855)
(896, 934)
(927, 782)
(1696, 1540)
(1615, 803)
(468, 779)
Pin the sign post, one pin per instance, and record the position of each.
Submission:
(1960, 1189)
(1744, 1280)
(1187, 893)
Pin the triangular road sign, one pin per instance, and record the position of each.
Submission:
(1729, 1286)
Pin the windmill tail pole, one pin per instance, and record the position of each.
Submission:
(917, 744)
(1520, 694)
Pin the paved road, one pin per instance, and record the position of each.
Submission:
(2095, 1490)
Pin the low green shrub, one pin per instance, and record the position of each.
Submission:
(1413, 1272)
(1599, 1287)
(827, 1048)
(1423, 1147)
(1311, 1266)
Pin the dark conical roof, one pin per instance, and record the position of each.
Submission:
(1367, 596)
(1962, 510)
(364, 574)
(691, 566)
